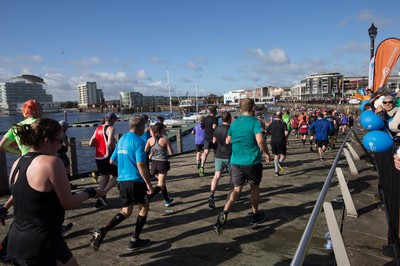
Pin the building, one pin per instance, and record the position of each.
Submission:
(18, 90)
(130, 99)
(89, 95)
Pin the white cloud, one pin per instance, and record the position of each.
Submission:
(275, 56)
(141, 75)
(87, 62)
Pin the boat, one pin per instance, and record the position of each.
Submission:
(193, 117)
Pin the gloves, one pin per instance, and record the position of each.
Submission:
(3, 215)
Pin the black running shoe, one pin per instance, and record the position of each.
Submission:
(211, 202)
(97, 237)
(137, 243)
(258, 218)
(101, 203)
(219, 225)
(66, 228)
(5, 259)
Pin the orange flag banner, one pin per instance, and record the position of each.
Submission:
(386, 57)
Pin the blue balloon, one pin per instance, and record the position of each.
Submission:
(377, 141)
(371, 121)
(367, 112)
(362, 104)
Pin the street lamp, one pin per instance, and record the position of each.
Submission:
(372, 32)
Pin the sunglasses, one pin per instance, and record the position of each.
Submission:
(387, 102)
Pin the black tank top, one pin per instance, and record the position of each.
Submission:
(38, 216)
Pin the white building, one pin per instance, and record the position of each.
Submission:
(19, 89)
(88, 94)
(233, 97)
(130, 99)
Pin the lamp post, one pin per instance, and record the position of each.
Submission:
(372, 32)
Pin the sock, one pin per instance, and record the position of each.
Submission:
(156, 190)
(281, 160)
(303, 141)
(276, 160)
(118, 218)
(140, 221)
(165, 192)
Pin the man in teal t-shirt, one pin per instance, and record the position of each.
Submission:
(246, 136)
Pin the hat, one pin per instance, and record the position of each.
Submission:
(64, 123)
(31, 108)
(110, 115)
(397, 90)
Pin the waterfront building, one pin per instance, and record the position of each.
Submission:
(130, 99)
(89, 95)
(18, 90)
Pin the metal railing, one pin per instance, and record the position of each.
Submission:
(308, 231)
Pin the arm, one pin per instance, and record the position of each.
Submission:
(93, 141)
(169, 147)
(144, 172)
(111, 138)
(148, 146)
(262, 144)
(228, 140)
(61, 187)
(6, 146)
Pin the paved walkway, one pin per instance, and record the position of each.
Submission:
(182, 234)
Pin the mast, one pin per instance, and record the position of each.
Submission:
(197, 102)
(169, 90)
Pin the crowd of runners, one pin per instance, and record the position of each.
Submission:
(239, 145)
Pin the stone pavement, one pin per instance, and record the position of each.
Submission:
(183, 233)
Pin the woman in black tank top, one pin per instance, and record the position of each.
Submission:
(41, 193)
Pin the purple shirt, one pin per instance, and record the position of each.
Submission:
(198, 134)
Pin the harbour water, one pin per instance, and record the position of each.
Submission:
(85, 154)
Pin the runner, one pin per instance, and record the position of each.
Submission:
(198, 132)
(210, 124)
(133, 183)
(222, 156)
(279, 135)
(247, 140)
(158, 148)
(322, 128)
(104, 140)
(303, 131)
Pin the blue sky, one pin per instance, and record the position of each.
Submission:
(220, 45)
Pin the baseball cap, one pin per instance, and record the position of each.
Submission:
(32, 108)
(110, 115)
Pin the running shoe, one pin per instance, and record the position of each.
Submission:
(280, 166)
(258, 218)
(137, 243)
(73, 186)
(168, 202)
(101, 203)
(201, 171)
(219, 225)
(276, 174)
(66, 228)
(311, 149)
(5, 259)
(97, 237)
(211, 202)
(322, 159)
(94, 177)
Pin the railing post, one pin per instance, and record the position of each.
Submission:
(73, 157)
(4, 188)
(179, 140)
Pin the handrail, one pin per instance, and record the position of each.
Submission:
(302, 248)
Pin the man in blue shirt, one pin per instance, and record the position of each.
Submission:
(133, 183)
(322, 128)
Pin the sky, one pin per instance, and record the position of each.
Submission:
(208, 46)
